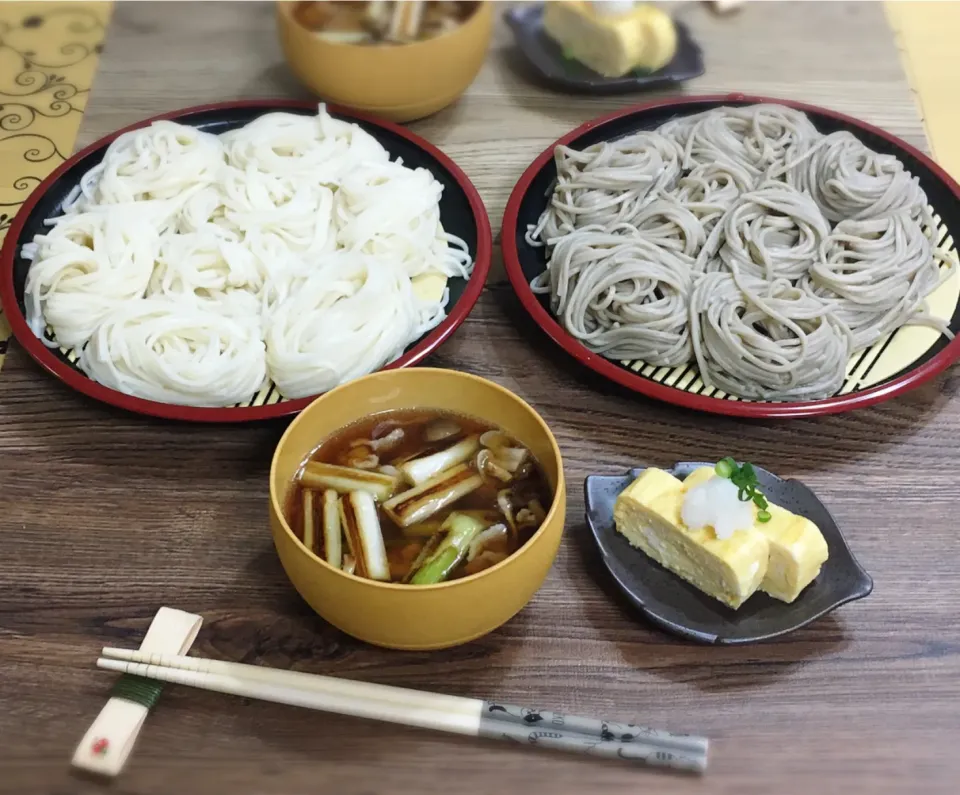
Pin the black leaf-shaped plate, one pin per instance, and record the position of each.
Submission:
(546, 57)
(678, 607)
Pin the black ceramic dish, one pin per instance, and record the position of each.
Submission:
(546, 57)
(678, 607)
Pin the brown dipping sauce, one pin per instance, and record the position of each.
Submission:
(385, 22)
(528, 494)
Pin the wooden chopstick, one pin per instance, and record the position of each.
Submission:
(397, 695)
(454, 714)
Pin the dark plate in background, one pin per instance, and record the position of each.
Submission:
(547, 58)
(461, 212)
(678, 607)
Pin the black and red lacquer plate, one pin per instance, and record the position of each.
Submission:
(895, 364)
(461, 212)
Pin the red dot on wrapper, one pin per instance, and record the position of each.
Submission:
(100, 746)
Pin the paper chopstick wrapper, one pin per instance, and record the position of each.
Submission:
(108, 742)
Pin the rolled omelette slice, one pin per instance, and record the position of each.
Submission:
(612, 38)
(797, 547)
(647, 514)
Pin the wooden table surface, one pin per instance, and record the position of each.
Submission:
(107, 516)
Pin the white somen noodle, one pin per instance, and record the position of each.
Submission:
(192, 268)
(177, 352)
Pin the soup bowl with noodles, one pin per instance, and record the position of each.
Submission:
(384, 491)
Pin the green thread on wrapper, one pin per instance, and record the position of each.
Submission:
(145, 692)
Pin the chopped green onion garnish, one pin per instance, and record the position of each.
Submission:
(725, 467)
(744, 477)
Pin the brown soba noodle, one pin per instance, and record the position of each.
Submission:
(741, 239)
(418, 497)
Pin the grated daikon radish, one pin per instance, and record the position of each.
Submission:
(715, 503)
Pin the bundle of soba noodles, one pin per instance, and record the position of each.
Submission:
(741, 239)
(192, 268)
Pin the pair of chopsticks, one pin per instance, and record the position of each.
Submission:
(453, 714)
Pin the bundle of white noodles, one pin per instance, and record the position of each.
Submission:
(84, 267)
(177, 352)
(190, 268)
(341, 321)
(165, 161)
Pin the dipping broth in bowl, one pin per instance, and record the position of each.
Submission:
(380, 21)
(399, 61)
(418, 497)
(389, 612)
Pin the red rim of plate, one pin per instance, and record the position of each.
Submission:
(81, 383)
(645, 386)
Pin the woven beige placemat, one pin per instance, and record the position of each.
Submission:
(48, 58)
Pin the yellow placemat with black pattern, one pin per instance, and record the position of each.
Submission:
(48, 58)
(926, 34)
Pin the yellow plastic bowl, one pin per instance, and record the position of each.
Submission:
(397, 82)
(406, 616)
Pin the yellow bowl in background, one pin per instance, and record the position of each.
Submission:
(398, 82)
(406, 616)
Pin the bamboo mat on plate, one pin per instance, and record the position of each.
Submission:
(48, 58)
